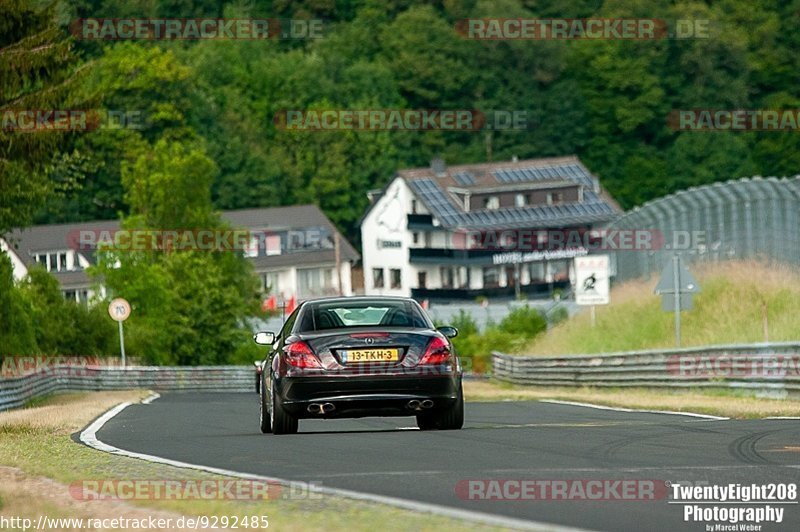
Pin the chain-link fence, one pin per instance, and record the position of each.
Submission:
(749, 218)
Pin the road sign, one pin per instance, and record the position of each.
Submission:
(666, 285)
(119, 309)
(591, 280)
(676, 287)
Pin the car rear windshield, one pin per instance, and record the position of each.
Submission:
(362, 313)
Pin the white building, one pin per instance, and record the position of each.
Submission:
(294, 252)
(428, 233)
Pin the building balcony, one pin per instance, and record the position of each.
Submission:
(421, 222)
(450, 256)
(536, 290)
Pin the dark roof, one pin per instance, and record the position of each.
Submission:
(433, 190)
(42, 238)
(295, 216)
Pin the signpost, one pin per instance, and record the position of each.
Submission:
(119, 310)
(591, 282)
(676, 287)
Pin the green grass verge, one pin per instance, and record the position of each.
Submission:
(737, 303)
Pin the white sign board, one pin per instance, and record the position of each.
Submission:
(591, 280)
(119, 309)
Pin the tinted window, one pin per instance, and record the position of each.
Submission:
(361, 313)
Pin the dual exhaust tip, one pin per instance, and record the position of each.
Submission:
(321, 408)
(415, 404)
(327, 408)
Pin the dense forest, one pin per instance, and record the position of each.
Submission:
(605, 100)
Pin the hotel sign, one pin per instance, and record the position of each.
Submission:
(519, 257)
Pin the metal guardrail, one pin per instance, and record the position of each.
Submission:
(772, 367)
(17, 391)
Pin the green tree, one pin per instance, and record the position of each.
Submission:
(189, 306)
(38, 71)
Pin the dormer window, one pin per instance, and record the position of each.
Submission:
(521, 200)
(491, 203)
(554, 198)
(55, 261)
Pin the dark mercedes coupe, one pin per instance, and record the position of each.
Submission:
(357, 357)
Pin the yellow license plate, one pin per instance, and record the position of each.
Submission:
(370, 355)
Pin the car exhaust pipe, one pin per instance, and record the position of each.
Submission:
(414, 404)
(427, 403)
(315, 408)
(327, 407)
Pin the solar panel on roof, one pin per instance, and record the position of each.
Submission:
(464, 178)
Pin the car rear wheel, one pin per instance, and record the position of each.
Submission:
(282, 421)
(264, 416)
(451, 418)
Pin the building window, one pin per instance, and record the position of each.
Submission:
(559, 269)
(251, 250)
(395, 278)
(536, 272)
(314, 282)
(271, 283)
(415, 237)
(491, 202)
(422, 279)
(448, 277)
(413, 206)
(377, 277)
(554, 198)
(521, 200)
(491, 277)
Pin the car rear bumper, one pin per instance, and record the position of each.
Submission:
(365, 396)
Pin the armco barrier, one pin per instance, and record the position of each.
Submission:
(17, 391)
(772, 367)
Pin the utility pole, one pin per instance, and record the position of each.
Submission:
(337, 251)
(676, 263)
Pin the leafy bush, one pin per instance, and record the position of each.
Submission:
(524, 321)
(36, 319)
(511, 334)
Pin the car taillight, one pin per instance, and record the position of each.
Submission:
(438, 352)
(299, 355)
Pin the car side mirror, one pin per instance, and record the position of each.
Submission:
(450, 332)
(264, 338)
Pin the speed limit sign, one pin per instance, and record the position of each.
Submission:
(119, 309)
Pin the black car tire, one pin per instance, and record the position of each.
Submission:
(451, 418)
(266, 428)
(282, 421)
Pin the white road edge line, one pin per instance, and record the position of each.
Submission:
(644, 411)
(152, 397)
(89, 437)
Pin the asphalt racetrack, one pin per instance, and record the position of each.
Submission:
(500, 441)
